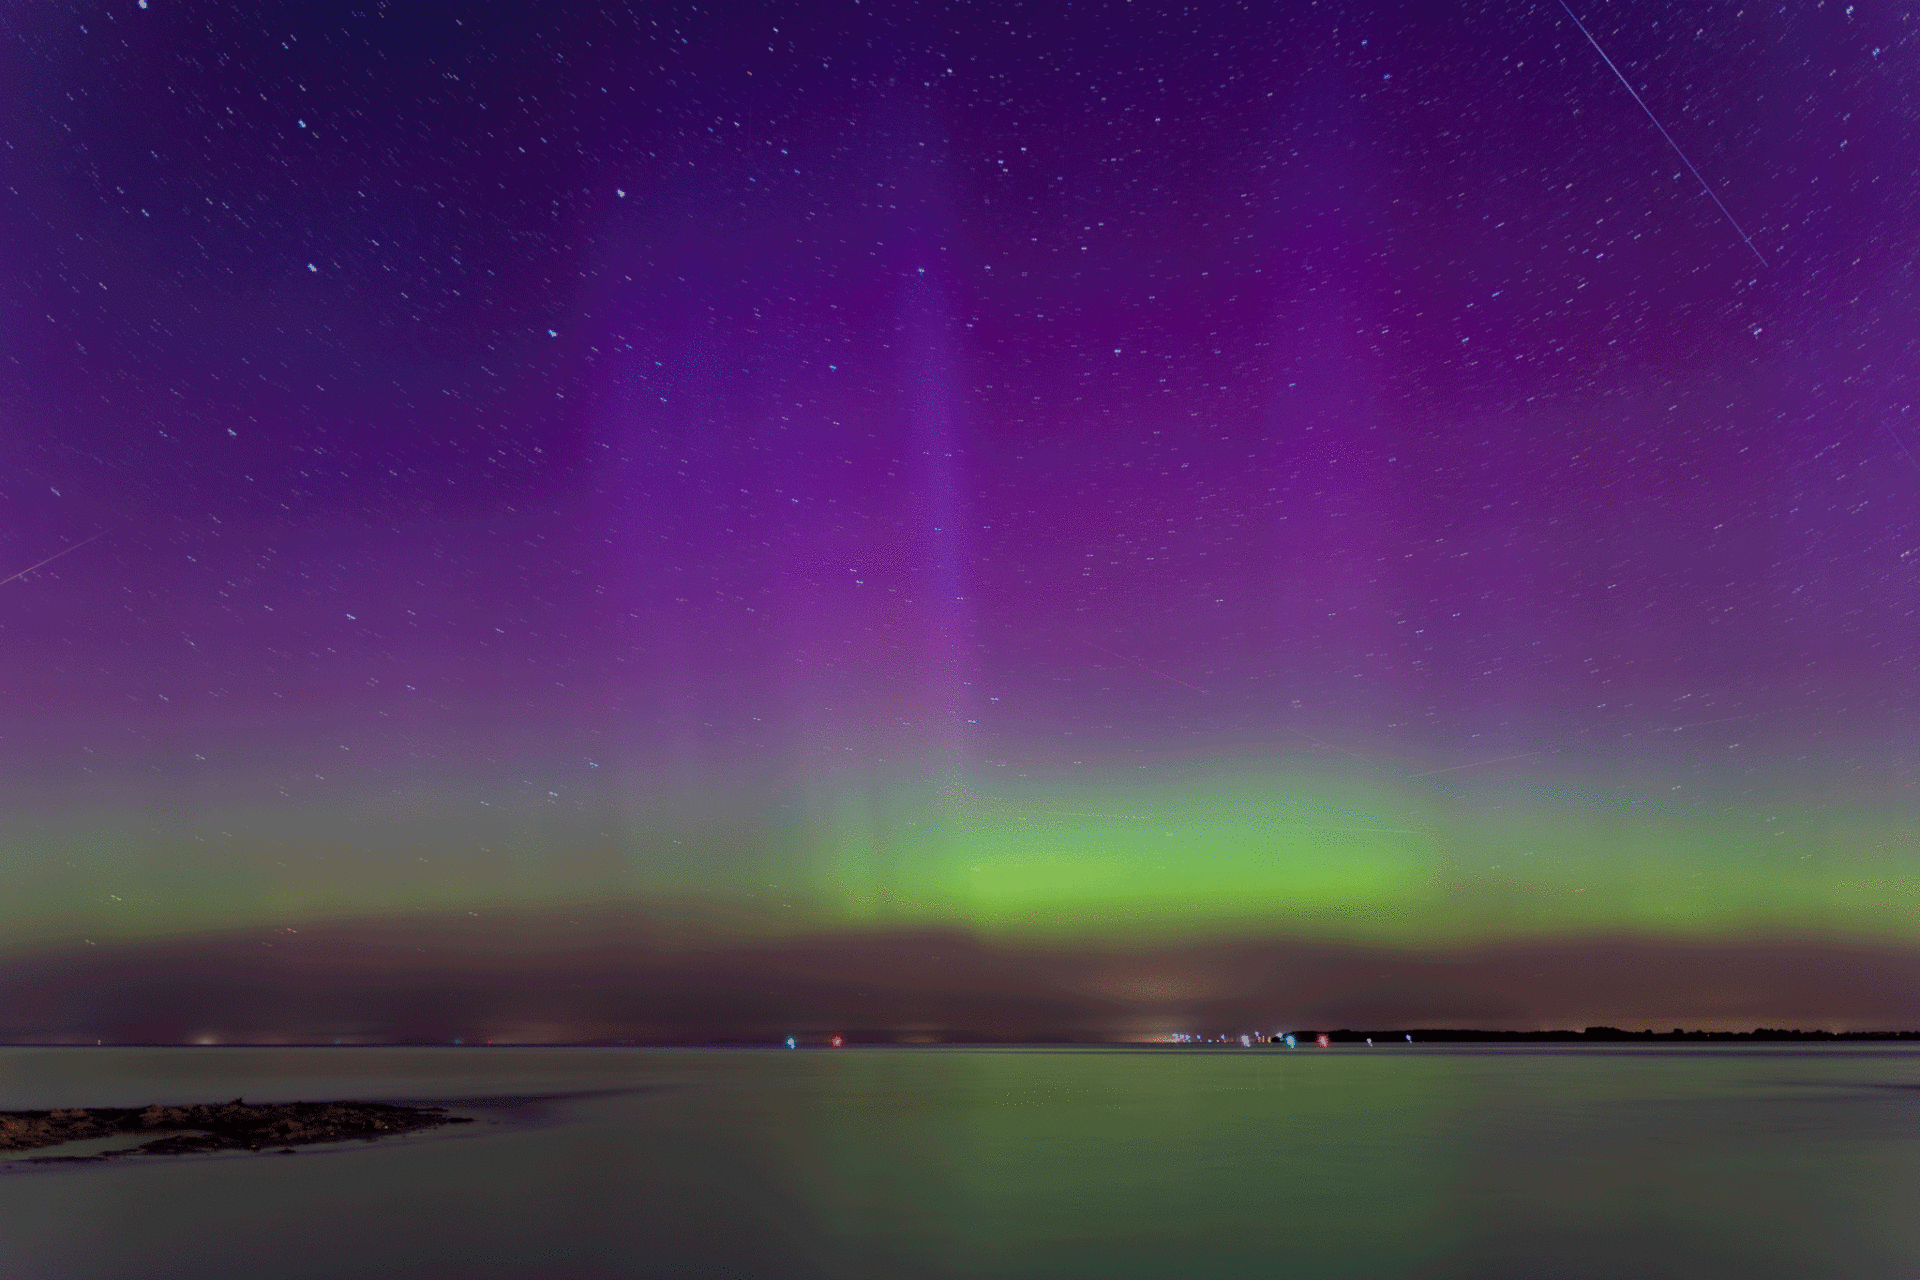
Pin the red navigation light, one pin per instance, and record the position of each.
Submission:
(837, 1042)
(1323, 1041)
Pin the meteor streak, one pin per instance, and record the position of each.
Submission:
(1329, 746)
(1902, 443)
(1524, 755)
(50, 559)
(1143, 666)
(1750, 715)
(1663, 131)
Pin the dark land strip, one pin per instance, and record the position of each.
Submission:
(232, 1126)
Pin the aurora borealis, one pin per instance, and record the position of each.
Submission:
(1164, 515)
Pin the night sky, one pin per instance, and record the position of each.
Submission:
(564, 521)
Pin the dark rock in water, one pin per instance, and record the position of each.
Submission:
(233, 1126)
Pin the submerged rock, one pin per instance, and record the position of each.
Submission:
(231, 1126)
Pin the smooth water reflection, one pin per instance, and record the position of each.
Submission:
(1481, 1162)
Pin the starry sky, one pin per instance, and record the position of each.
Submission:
(675, 519)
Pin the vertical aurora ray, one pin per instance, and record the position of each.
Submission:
(877, 817)
(936, 410)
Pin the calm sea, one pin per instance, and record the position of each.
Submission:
(1485, 1163)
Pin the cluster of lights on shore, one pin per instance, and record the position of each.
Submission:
(1247, 1039)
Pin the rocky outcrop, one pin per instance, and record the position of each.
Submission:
(232, 1126)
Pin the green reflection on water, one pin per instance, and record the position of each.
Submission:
(1481, 1163)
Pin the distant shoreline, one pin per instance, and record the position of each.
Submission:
(1609, 1035)
(872, 1038)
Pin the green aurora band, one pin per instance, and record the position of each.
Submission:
(1334, 853)
(1292, 848)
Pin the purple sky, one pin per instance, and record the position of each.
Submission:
(822, 471)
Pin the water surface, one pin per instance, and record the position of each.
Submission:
(1489, 1162)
